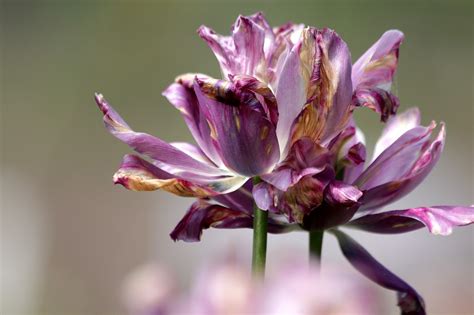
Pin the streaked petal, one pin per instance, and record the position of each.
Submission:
(314, 88)
(438, 220)
(377, 66)
(396, 126)
(139, 175)
(398, 160)
(409, 301)
(181, 95)
(245, 137)
(222, 46)
(404, 183)
(150, 146)
(203, 215)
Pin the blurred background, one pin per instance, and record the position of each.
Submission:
(69, 236)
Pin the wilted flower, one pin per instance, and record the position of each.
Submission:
(227, 289)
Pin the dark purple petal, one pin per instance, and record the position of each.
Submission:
(340, 204)
(150, 146)
(245, 138)
(139, 175)
(378, 100)
(438, 220)
(377, 66)
(181, 95)
(409, 301)
(402, 184)
(203, 215)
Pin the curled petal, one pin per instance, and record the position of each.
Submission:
(139, 175)
(378, 100)
(402, 184)
(222, 46)
(203, 215)
(373, 73)
(245, 138)
(398, 160)
(377, 66)
(409, 301)
(438, 219)
(396, 126)
(181, 95)
(150, 146)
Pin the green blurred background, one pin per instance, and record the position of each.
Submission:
(69, 236)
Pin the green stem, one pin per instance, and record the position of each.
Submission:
(259, 250)
(316, 245)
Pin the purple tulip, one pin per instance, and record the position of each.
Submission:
(321, 185)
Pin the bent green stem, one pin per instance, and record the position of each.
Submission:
(259, 249)
(315, 245)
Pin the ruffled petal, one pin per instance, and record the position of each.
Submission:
(409, 301)
(203, 215)
(240, 129)
(403, 183)
(305, 157)
(246, 50)
(438, 219)
(139, 175)
(152, 147)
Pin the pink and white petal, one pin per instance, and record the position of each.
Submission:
(388, 192)
(438, 219)
(151, 146)
(377, 66)
(395, 127)
(181, 95)
(398, 160)
(245, 138)
(409, 301)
